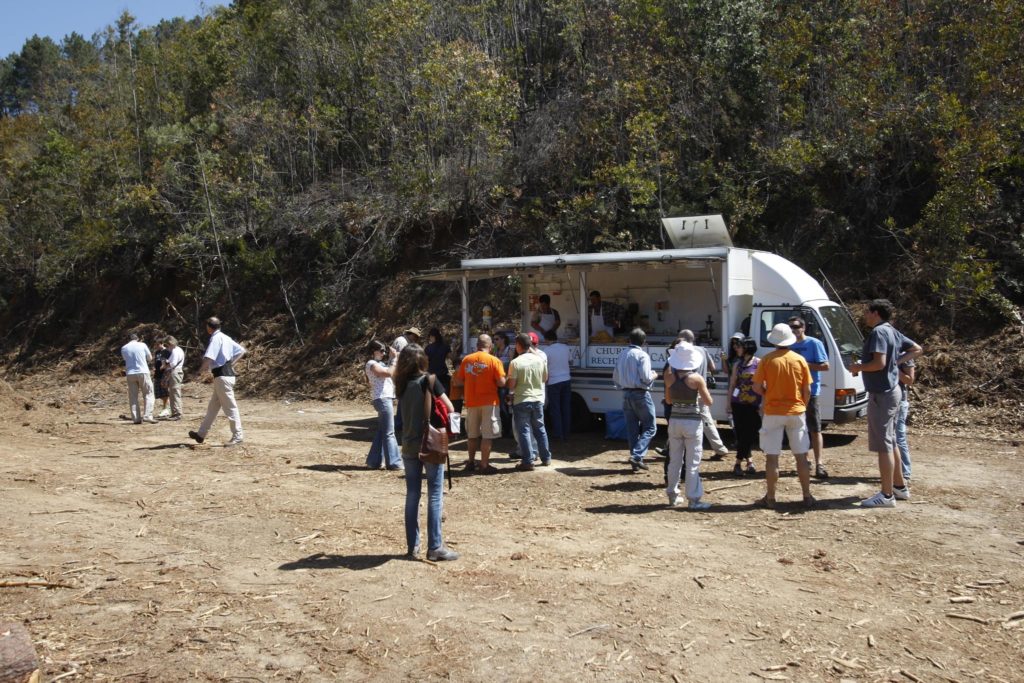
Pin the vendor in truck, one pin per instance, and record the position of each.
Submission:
(545, 319)
(604, 315)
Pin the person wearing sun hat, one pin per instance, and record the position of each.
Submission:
(783, 380)
(685, 390)
(411, 335)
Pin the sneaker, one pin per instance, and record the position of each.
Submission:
(544, 463)
(751, 469)
(174, 418)
(398, 468)
(166, 412)
(738, 470)
(673, 500)
(820, 472)
(639, 465)
(524, 467)
(514, 456)
(235, 441)
(197, 436)
(879, 500)
(718, 455)
(149, 420)
(442, 554)
(413, 554)
(901, 493)
(698, 505)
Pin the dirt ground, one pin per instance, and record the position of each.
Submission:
(161, 560)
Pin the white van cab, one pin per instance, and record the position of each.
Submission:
(703, 284)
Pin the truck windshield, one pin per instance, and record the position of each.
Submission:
(844, 331)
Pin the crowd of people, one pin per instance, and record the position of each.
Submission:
(516, 379)
(770, 398)
(169, 367)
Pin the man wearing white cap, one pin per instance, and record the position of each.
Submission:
(783, 380)
(684, 385)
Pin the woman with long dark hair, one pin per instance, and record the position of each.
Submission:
(745, 406)
(411, 385)
(379, 374)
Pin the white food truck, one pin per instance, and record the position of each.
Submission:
(703, 284)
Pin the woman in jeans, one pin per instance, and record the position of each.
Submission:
(411, 386)
(744, 406)
(382, 394)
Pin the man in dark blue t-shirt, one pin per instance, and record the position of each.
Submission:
(814, 353)
(885, 349)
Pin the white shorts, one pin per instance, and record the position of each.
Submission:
(483, 421)
(772, 428)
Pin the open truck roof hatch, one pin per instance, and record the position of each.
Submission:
(689, 232)
(482, 269)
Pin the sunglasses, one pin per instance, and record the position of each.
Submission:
(796, 327)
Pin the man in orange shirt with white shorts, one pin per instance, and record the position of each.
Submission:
(481, 374)
(783, 380)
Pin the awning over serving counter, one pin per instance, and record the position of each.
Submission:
(483, 269)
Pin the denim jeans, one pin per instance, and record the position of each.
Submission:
(529, 418)
(640, 425)
(385, 445)
(559, 407)
(414, 469)
(685, 447)
(901, 438)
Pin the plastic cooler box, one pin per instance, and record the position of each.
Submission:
(615, 425)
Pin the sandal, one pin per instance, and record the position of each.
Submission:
(738, 470)
(820, 472)
(490, 469)
(763, 502)
(809, 501)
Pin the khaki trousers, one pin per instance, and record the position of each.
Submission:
(137, 383)
(174, 379)
(223, 399)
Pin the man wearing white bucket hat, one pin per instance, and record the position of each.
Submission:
(683, 387)
(783, 380)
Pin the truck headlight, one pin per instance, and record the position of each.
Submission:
(846, 397)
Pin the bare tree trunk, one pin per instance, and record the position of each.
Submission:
(216, 237)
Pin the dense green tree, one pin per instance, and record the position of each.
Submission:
(297, 150)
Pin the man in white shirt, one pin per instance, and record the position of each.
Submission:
(175, 375)
(559, 388)
(137, 358)
(221, 354)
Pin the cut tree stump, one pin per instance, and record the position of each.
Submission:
(18, 663)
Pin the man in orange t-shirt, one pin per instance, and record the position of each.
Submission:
(481, 374)
(783, 380)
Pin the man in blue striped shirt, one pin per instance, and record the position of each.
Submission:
(634, 376)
